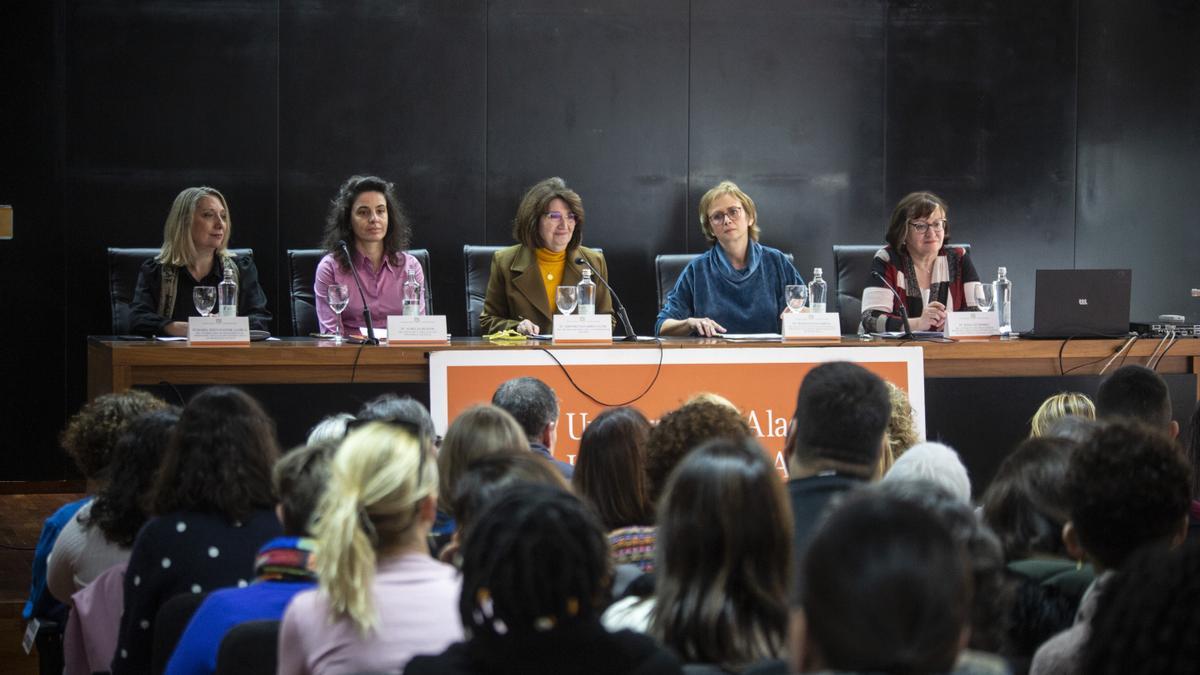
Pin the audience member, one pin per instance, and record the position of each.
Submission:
(382, 598)
(477, 432)
(330, 429)
(902, 431)
(535, 407)
(212, 502)
(1138, 393)
(1058, 406)
(404, 410)
(1073, 428)
(935, 463)
(1193, 452)
(1127, 487)
(680, 431)
(535, 576)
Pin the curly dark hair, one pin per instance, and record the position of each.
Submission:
(219, 457)
(337, 222)
(610, 473)
(1026, 502)
(120, 508)
(683, 429)
(92, 432)
(1128, 486)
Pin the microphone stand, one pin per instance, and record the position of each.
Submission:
(630, 336)
(371, 339)
(903, 308)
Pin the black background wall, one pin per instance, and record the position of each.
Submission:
(1061, 133)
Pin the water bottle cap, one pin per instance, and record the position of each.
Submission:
(587, 274)
(1003, 271)
(816, 271)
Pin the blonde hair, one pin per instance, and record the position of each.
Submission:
(727, 187)
(710, 397)
(178, 249)
(901, 430)
(372, 504)
(478, 431)
(1058, 406)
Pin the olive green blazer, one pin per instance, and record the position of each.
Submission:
(515, 290)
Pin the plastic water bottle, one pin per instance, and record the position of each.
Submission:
(1002, 292)
(587, 294)
(817, 291)
(412, 295)
(227, 292)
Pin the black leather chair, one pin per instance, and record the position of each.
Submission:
(169, 623)
(249, 648)
(852, 271)
(123, 267)
(668, 267)
(302, 271)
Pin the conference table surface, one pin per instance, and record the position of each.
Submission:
(117, 365)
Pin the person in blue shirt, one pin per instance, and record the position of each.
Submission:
(737, 286)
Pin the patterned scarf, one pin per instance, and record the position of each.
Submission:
(286, 559)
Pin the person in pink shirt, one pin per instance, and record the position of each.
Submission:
(367, 216)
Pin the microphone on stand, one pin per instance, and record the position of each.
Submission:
(630, 336)
(371, 339)
(903, 308)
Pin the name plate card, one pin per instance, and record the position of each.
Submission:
(582, 328)
(407, 330)
(971, 324)
(810, 326)
(218, 330)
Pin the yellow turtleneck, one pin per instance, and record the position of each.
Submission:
(551, 266)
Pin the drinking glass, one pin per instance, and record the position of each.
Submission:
(797, 296)
(205, 298)
(984, 297)
(339, 297)
(567, 297)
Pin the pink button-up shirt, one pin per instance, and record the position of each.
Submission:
(384, 290)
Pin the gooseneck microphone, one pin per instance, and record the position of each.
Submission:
(630, 336)
(903, 308)
(371, 339)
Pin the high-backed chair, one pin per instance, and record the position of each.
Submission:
(668, 267)
(852, 271)
(249, 649)
(302, 272)
(170, 622)
(123, 267)
(477, 263)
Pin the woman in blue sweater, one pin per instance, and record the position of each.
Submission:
(737, 286)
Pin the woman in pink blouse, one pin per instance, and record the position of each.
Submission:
(368, 217)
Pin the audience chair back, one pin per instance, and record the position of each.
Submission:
(477, 264)
(249, 649)
(170, 622)
(123, 267)
(668, 267)
(302, 273)
(852, 272)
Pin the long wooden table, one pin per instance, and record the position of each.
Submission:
(115, 365)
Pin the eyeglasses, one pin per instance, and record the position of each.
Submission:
(922, 228)
(719, 217)
(557, 216)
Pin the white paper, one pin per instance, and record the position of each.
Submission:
(803, 325)
(582, 328)
(218, 330)
(408, 329)
(971, 324)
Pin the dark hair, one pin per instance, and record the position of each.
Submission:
(1136, 392)
(680, 431)
(92, 432)
(534, 204)
(534, 560)
(1072, 428)
(1148, 617)
(914, 205)
(885, 587)
(119, 510)
(1026, 502)
(219, 457)
(530, 401)
(1129, 485)
(398, 409)
(1193, 450)
(337, 222)
(299, 479)
(723, 557)
(842, 413)
(490, 475)
(477, 432)
(610, 471)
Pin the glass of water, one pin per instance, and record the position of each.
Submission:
(567, 298)
(984, 297)
(797, 296)
(205, 298)
(339, 297)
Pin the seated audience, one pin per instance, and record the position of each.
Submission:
(479, 431)
(382, 598)
(1136, 392)
(1127, 487)
(935, 463)
(610, 473)
(535, 407)
(212, 502)
(535, 576)
(1058, 406)
(284, 567)
(902, 431)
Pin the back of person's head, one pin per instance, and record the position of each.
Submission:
(1128, 486)
(530, 401)
(330, 429)
(1148, 617)
(1072, 428)
(722, 577)
(490, 475)
(842, 412)
(885, 587)
(120, 509)
(1058, 406)
(902, 431)
(1026, 502)
(936, 463)
(536, 559)
(477, 432)
(397, 410)
(299, 479)
(219, 457)
(610, 470)
(380, 482)
(680, 431)
(1135, 392)
(1193, 450)
(91, 433)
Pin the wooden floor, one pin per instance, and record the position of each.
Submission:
(21, 517)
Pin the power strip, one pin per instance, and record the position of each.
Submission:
(1157, 330)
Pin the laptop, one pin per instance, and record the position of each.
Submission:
(1081, 304)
